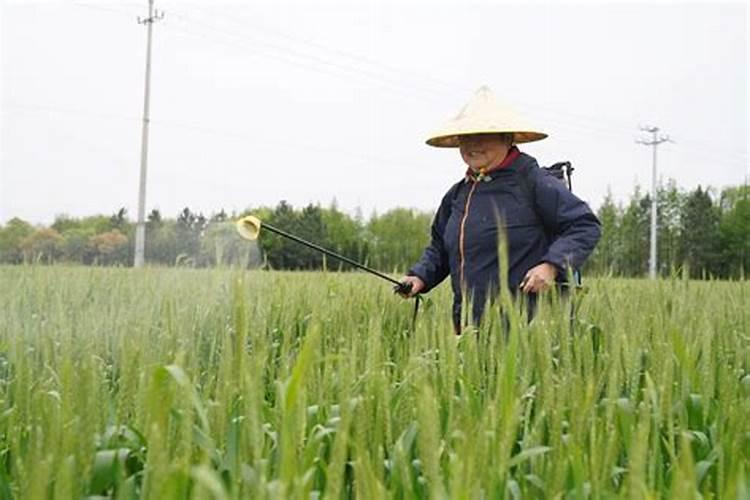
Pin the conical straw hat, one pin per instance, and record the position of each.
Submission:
(484, 114)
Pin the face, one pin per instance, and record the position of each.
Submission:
(483, 151)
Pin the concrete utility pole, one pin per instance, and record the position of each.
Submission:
(140, 228)
(654, 142)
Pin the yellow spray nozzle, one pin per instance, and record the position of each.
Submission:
(249, 227)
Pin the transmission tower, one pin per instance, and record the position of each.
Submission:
(140, 228)
(654, 143)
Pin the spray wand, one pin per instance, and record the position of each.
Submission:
(249, 228)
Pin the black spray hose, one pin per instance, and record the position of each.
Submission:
(417, 300)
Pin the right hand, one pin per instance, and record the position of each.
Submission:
(417, 285)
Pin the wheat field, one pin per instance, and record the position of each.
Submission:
(180, 383)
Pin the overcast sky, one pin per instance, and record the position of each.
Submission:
(307, 101)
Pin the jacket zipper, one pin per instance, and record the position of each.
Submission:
(461, 232)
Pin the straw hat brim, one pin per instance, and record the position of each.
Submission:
(451, 140)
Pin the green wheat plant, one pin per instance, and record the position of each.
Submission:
(179, 383)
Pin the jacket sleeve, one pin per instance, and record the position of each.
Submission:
(434, 265)
(574, 228)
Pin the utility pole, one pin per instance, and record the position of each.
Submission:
(654, 142)
(140, 228)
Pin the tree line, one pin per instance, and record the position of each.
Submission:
(388, 241)
(701, 232)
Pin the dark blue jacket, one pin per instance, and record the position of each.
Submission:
(543, 221)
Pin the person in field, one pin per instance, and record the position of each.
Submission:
(504, 194)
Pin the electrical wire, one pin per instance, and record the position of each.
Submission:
(566, 120)
(614, 127)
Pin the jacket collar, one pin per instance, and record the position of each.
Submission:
(486, 175)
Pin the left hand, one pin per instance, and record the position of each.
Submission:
(539, 278)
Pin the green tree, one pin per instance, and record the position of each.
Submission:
(313, 229)
(283, 253)
(162, 243)
(308, 224)
(397, 238)
(43, 245)
(75, 247)
(345, 234)
(64, 222)
(606, 255)
(700, 234)
(97, 223)
(111, 248)
(668, 214)
(11, 236)
(634, 234)
(278, 251)
(189, 231)
(734, 230)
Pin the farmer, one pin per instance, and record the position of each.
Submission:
(504, 194)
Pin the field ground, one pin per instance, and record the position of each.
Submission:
(179, 383)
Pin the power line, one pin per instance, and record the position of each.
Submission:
(244, 22)
(420, 91)
(280, 53)
(610, 127)
(304, 60)
(100, 8)
(566, 129)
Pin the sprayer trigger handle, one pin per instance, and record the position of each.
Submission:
(403, 288)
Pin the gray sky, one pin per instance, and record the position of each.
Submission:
(255, 102)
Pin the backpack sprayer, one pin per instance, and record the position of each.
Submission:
(562, 170)
(249, 228)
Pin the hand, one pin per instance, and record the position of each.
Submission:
(417, 285)
(539, 278)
